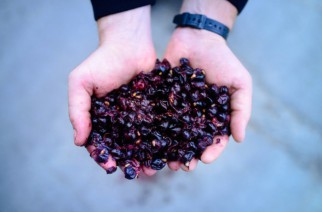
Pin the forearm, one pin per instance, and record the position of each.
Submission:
(220, 10)
(129, 24)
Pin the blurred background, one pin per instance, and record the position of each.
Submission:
(277, 168)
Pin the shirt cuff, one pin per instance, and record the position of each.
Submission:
(103, 8)
(239, 4)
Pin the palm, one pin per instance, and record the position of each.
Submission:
(104, 70)
(107, 69)
(222, 68)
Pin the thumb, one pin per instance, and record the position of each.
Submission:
(241, 104)
(79, 104)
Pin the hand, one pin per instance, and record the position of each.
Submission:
(125, 50)
(210, 52)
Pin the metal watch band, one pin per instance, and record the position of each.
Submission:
(199, 21)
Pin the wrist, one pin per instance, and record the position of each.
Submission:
(125, 25)
(219, 10)
(188, 34)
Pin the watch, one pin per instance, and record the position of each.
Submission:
(199, 21)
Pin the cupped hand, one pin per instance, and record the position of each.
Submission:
(122, 54)
(210, 52)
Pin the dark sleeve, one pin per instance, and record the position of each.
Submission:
(103, 8)
(239, 4)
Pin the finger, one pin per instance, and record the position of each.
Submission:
(79, 104)
(213, 151)
(241, 105)
(190, 166)
(108, 165)
(148, 171)
(174, 165)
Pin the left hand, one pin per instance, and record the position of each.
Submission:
(210, 52)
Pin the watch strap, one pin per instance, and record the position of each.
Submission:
(199, 21)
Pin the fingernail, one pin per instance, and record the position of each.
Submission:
(185, 166)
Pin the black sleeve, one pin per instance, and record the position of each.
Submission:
(103, 8)
(239, 4)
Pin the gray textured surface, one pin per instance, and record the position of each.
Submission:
(277, 168)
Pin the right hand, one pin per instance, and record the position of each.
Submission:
(125, 49)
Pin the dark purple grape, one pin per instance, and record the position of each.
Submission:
(198, 77)
(199, 104)
(184, 61)
(222, 117)
(130, 172)
(224, 108)
(124, 88)
(212, 112)
(129, 153)
(102, 155)
(198, 84)
(187, 87)
(168, 114)
(225, 131)
(192, 146)
(186, 119)
(130, 135)
(145, 131)
(94, 138)
(164, 125)
(176, 130)
(211, 127)
(157, 164)
(214, 90)
(139, 85)
(224, 90)
(111, 170)
(223, 99)
(195, 96)
(187, 157)
(117, 154)
(162, 67)
(186, 135)
(107, 140)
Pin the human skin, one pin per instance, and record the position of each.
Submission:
(125, 49)
(210, 52)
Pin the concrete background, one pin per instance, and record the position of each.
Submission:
(277, 168)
